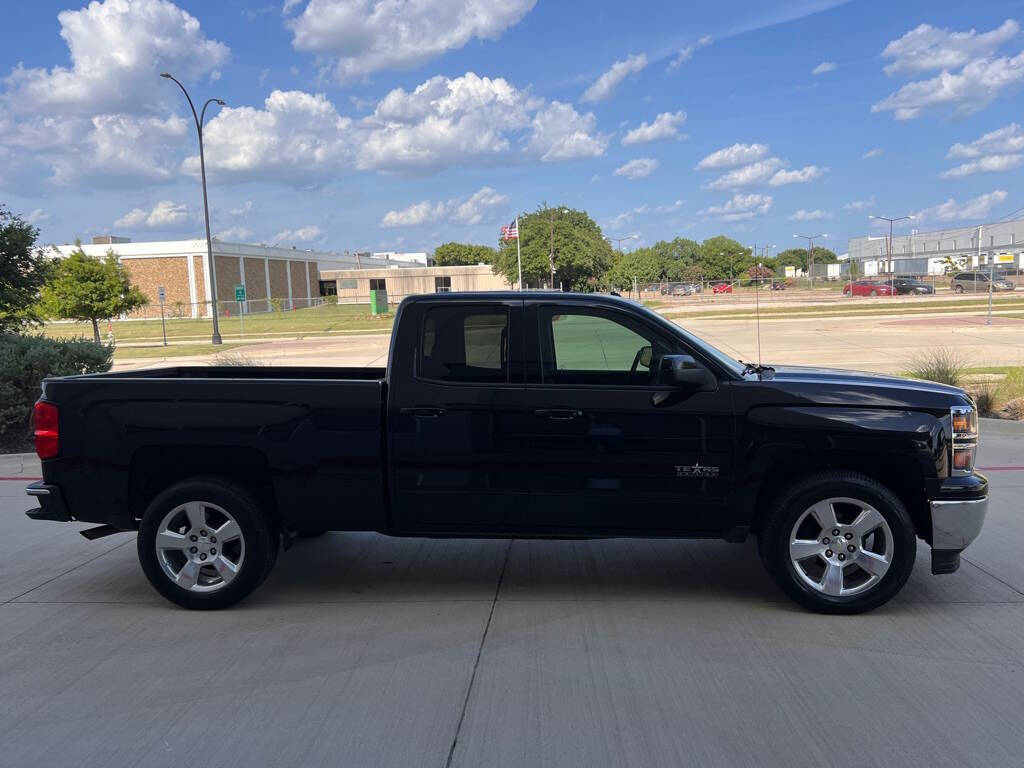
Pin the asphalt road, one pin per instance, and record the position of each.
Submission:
(366, 651)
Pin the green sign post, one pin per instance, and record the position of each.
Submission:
(240, 298)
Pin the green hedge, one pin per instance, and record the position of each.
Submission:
(26, 360)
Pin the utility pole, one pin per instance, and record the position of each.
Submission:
(216, 339)
(551, 252)
(888, 247)
(810, 254)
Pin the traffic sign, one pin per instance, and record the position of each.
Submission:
(239, 292)
(161, 293)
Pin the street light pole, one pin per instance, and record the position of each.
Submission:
(215, 339)
(888, 247)
(810, 254)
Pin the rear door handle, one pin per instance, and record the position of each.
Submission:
(424, 413)
(558, 414)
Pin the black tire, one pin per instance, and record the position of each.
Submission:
(260, 538)
(873, 293)
(958, 289)
(773, 542)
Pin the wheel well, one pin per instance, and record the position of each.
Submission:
(152, 471)
(901, 475)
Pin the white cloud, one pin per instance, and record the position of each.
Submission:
(477, 205)
(739, 208)
(970, 75)
(117, 49)
(860, 205)
(987, 164)
(245, 208)
(605, 85)
(360, 37)
(927, 48)
(297, 136)
(560, 133)
(307, 234)
(976, 208)
(872, 153)
(166, 214)
(748, 175)
(670, 208)
(469, 211)
(1009, 138)
(665, 126)
(686, 53)
(626, 217)
(805, 215)
(995, 151)
(289, 6)
(235, 234)
(800, 176)
(469, 120)
(640, 168)
(737, 154)
(37, 216)
(825, 66)
(414, 215)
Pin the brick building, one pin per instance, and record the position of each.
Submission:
(287, 275)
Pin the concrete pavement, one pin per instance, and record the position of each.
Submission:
(368, 651)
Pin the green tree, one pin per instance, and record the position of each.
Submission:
(722, 257)
(644, 264)
(463, 254)
(23, 271)
(581, 252)
(86, 288)
(797, 257)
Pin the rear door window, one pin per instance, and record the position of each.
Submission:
(465, 343)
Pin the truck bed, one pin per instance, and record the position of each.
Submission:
(311, 438)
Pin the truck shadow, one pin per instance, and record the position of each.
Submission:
(343, 567)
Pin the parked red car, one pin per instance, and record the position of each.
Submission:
(868, 288)
(722, 287)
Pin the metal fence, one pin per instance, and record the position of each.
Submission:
(183, 310)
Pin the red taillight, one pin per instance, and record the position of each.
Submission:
(47, 431)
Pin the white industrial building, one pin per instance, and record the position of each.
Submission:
(928, 253)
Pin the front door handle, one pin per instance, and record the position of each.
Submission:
(558, 414)
(423, 413)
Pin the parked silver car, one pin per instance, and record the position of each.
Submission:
(978, 282)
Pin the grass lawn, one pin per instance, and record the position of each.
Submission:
(312, 321)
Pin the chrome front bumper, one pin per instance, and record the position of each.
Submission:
(956, 523)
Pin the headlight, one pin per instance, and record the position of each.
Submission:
(965, 438)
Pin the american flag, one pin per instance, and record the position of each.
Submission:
(510, 231)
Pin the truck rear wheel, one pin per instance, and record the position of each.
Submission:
(839, 542)
(206, 544)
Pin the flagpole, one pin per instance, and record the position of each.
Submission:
(519, 255)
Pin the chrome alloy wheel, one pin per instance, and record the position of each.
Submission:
(841, 547)
(199, 546)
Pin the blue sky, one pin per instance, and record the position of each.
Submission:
(395, 125)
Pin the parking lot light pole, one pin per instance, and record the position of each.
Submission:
(888, 247)
(215, 339)
(810, 254)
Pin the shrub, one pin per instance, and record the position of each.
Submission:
(26, 360)
(942, 365)
(984, 398)
(331, 300)
(275, 305)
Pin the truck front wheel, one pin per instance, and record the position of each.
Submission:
(839, 542)
(206, 544)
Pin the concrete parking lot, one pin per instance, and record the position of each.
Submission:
(362, 650)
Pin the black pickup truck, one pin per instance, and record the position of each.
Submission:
(519, 415)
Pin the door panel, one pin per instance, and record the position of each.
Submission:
(456, 420)
(604, 457)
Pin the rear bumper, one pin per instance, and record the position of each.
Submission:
(51, 503)
(955, 524)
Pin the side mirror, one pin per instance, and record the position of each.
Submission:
(686, 373)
